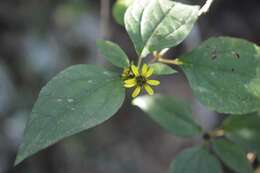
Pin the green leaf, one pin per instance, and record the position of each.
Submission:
(113, 53)
(162, 69)
(232, 155)
(157, 24)
(173, 115)
(254, 87)
(195, 160)
(77, 99)
(221, 72)
(244, 130)
(119, 9)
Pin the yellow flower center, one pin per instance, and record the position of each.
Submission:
(140, 80)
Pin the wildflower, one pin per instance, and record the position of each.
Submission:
(140, 80)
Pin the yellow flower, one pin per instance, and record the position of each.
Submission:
(140, 80)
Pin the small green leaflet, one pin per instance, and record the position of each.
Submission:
(244, 130)
(157, 24)
(173, 115)
(77, 99)
(119, 9)
(195, 160)
(232, 155)
(223, 74)
(113, 53)
(162, 69)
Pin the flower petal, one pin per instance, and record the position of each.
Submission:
(144, 69)
(153, 82)
(130, 81)
(148, 89)
(129, 85)
(135, 70)
(126, 72)
(136, 91)
(148, 73)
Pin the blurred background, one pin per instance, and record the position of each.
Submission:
(39, 38)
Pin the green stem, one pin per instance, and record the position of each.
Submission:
(170, 61)
(139, 62)
(213, 134)
(217, 133)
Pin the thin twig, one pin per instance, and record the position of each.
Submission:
(159, 57)
(205, 7)
(104, 26)
(104, 21)
(217, 133)
(171, 61)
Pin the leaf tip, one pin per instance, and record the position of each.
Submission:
(19, 159)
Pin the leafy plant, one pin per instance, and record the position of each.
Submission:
(224, 74)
